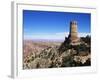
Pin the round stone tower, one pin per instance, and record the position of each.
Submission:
(73, 35)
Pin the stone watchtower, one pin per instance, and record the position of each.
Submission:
(73, 35)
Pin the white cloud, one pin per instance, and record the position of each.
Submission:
(60, 35)
(83, 34)
(63, 34)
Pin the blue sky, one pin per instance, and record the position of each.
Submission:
(53, 25)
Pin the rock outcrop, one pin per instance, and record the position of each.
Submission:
(65, 55)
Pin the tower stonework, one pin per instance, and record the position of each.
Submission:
(73, 35)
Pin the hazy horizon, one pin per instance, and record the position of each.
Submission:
(61, 36)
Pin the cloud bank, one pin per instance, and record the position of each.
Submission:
(56, 36)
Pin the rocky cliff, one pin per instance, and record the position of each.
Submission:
(65, 55)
